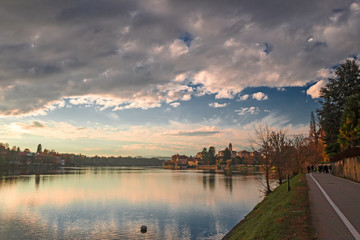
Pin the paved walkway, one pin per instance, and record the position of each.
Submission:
(335, 207)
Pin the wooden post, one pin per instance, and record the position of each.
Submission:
(288, 183)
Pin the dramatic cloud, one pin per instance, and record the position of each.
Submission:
(140, 54)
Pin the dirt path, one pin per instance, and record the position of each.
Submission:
(335, 207)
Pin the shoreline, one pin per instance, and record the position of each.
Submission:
(280, 215)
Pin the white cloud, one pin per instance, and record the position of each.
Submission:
(355, 7)
(175, 104)
(260, 96)
(217, 105)
(231, 43)
(103, 102)
(186, 97)
(224, 93)
(314, 90)
(325, 73)
(125, 30)
(215, 83)
(81, 100)
(178, 48)
(244, 97)
(180, 77)
(42, 111)
(198, 132)
(251, 110)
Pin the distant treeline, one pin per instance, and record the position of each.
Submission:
(15, 157)
(81, 160)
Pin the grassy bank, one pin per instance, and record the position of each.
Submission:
(281, 215)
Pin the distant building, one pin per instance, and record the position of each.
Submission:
(179, 159)
(192, 162)
(174, 158)
(232, 153)
(39, 159)
(249, 158)
(243, 154)
(183, 160)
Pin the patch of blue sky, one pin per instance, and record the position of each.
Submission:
(293, 102)
(187, 38)
(193, 111)
(268, 48)
(354, 56)
(338, 10)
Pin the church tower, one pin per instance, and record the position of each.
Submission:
(230, 148)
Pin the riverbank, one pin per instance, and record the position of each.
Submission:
(281, 215)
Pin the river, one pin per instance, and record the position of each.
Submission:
(113, 203)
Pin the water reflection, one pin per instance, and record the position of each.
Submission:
(37, 181)
(112, 203)
(228, 183)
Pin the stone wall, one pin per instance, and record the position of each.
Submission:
(347, 168)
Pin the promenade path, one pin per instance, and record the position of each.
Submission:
(335, 206)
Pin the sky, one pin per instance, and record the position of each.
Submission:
(160, 77)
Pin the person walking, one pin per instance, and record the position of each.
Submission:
(326, 169)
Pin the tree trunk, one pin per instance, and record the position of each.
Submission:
(268, 190)
(280, 175)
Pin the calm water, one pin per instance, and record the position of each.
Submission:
(113, 203)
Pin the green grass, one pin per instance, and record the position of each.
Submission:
(281, 215)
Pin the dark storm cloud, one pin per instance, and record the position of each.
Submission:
(90, 10)
(13, 48)
(130, 49)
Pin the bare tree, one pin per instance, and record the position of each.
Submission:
(263, 142)
(279, 144)
(301, 151)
